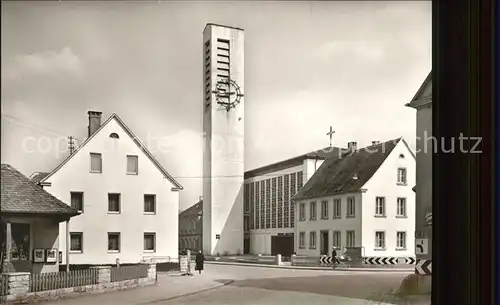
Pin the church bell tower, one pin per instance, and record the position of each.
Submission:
(223, 127)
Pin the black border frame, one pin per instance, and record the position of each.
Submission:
(463, 183)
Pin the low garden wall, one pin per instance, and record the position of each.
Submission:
(24, 287)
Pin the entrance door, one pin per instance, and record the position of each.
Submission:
(246, 245)
(324, 247)
(282, 244)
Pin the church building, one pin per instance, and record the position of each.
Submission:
(269, 214)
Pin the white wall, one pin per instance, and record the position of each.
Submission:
(384, 184)
(224, 163)
(331, 224)
(310, 167)
(131, 222)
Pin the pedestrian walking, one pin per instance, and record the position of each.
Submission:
(334, 257)
(200, 260)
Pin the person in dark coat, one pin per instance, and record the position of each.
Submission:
(334, 258)
(200, 260)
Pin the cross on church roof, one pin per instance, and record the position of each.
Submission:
(330, 133)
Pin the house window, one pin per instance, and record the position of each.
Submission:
(380, 240)
(132, 165)
(77, 201)
(312, 240)
(114, 242)
(380, 206)
(402, 175)
(302, 240)
(302, 211)
(351, 207)
(350, 239)
(95, 163)
(337, 208)
(76, 241)
(312, 211)
(113, 203)
(114, 135)
(150, 204)
(401, 208)
(401, 156)
(324, 210)
(337, 239)
(401, 240)
(150, 242)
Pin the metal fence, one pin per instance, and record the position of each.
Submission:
(58, 280)
(124, 273)
(3, 285)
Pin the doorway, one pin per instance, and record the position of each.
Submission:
(246, 244)
(324, 247)
(282, 244)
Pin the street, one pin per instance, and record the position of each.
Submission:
(260, 285)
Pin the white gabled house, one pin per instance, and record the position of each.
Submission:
(363, 199)
(129, 203)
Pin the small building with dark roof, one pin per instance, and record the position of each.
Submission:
(362, 199)
(269, 214)
(30, 219)
(191, 228)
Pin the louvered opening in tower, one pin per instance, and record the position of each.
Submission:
(223, 63)
(208, 83)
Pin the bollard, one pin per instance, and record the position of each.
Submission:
(278, 259)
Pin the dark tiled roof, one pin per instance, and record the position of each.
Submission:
(335, 175)
(194, 209)
(38, 176)
(22, 195)
(320, 154)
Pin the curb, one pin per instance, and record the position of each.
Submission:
(313, 268)
(187, 294)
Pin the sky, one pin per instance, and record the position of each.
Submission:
(308, 66)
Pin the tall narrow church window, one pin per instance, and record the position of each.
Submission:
(273, 203)
(293, 191)
(280, 202)
(262, 205)
(268, 203)
(286, 192)
(257, 205)
(252, 206)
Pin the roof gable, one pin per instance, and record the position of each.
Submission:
(424, 93)
(114, 116)
(194, 209)
(320, 154)
(347, 174)
(20, 195)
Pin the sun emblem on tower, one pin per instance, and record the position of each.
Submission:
(227, 94)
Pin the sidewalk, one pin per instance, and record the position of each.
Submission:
(170, 286)
(409, 269)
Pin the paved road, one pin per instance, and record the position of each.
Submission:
(259, 285)
(275, 286)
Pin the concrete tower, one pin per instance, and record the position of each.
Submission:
(223, 126)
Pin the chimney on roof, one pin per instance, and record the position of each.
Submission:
(201, 198)
(352, 146)
(375, 142)
(94, 121)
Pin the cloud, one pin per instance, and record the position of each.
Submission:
(64, 62)
(371, 51)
